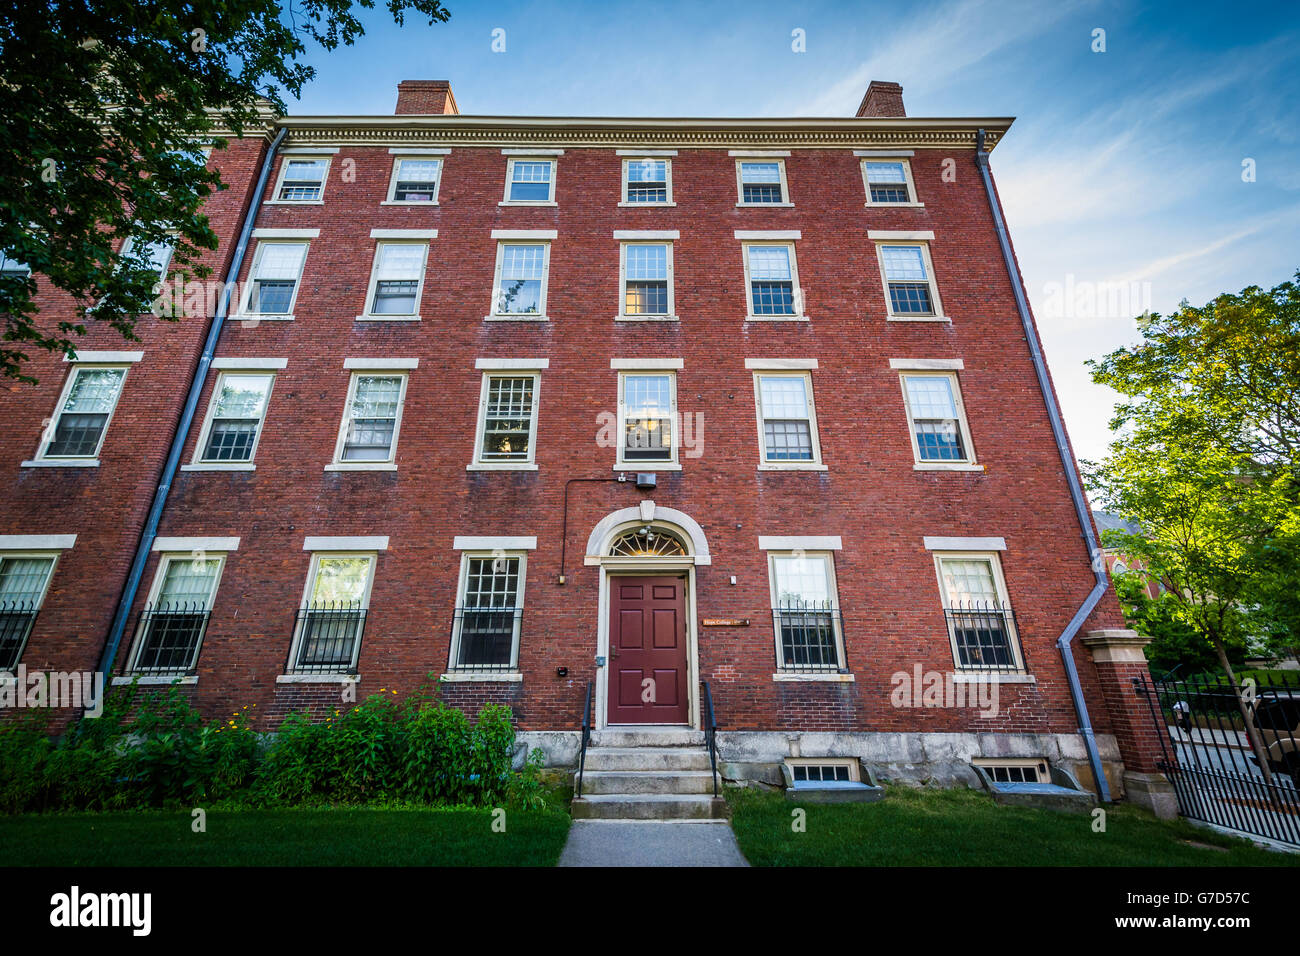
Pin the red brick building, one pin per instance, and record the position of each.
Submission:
(531, 403)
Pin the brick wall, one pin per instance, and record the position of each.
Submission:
(105, 506)
(870, 495)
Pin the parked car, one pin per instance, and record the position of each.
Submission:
(1277, 716)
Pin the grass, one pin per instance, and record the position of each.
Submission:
(331, 837)
(913, 827)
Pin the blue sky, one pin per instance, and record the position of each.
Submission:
(1122, 176)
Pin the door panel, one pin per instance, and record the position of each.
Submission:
(648, 671)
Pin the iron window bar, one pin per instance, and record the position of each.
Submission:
(16, 621)
(809, 638)
(484, 638)
(170, 636)
(328, 638)
(986, 637)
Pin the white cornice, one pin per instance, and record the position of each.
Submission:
(521, 132)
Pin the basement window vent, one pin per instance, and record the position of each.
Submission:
(1016, 771)
(824, 771)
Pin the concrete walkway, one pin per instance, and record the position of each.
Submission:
(651, 843)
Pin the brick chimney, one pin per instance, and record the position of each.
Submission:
(424, 97)
(881, 99)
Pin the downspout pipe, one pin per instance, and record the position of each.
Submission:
(172, 464)
(1102, 582)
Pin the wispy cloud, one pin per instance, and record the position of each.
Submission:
(934, 45)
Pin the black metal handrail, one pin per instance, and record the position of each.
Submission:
(170, 636)
(986, 637)
(16, 621)
(484, 639)
(711, 734)
(586, 736)
(327, 639)
(810, 638)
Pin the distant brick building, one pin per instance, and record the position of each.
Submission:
(533, 403)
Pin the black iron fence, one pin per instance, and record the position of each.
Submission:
(169, 638)
(16, 620)
(483, 639)
(327, 639)
(985, 637)
(1232, 755)
(810, 638)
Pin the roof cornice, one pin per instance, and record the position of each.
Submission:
(601, 132)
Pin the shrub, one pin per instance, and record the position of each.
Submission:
(155, 750)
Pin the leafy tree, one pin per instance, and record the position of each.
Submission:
(104, 104)
(1175, 646)
(1206, 461)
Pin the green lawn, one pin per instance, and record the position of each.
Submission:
(913, 827)
(340, 837)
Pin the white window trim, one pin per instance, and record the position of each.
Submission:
(325, 154)
(763, 464)
(190, 545)
(373, 364)
(527, 464)
(779, 159)
(970, 462)
(198, 463)
(385, 239)
(800, 543)
(647, 364)
(21, 553)
(543, 238)
(247, 297)
(661, 368)
(1000, 585)
(312, 570)
(924, 245)
(797, 291)
(665, 157)
(44, 543)
(440, 158)
(625, 316)
(964, 544)
(159, 576)
(286, 234)
(912, 201)
(530, 157)
(250, 364)
(778, 364)
(523, 364)
(361, 543)
(390, 463)
(922, 365)
(1043, 776)
(463, 542)
(827, 557)
(38, 553)
(105, 358)
(453, 650)
(855, 775)
(48, 434)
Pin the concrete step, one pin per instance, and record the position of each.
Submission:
(647, 781)
(647, 758)
(649, 806)
(647, 737)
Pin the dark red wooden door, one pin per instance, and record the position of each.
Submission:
(647, 650)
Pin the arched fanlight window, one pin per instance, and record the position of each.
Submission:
(647, 541)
